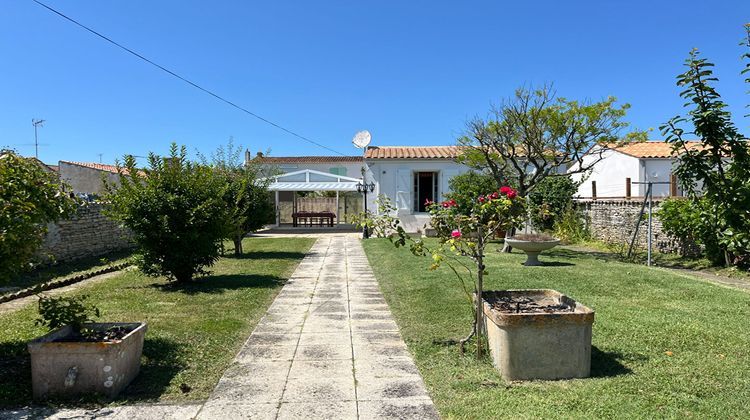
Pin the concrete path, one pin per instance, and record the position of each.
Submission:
(327, 348)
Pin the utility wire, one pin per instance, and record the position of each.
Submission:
(195, 85)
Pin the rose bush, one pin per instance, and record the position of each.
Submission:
(463, 237)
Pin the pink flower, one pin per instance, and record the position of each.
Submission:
(481, 199)
(494, 196)
(505, 190)
(512, 194)
(427, 202)
(456, 233)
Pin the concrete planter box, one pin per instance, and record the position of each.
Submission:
(532, 248)
(526, 346)
(67, 369)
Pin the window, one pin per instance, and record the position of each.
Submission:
(339, 170)
(425, 188)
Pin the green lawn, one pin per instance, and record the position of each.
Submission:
(194, 331)
(641, 314)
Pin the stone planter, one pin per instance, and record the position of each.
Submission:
(67, 369)
(526, 346)
(532, 248)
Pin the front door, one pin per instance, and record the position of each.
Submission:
(425, 188)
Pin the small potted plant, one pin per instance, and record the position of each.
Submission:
(532, 244)
(79, 356)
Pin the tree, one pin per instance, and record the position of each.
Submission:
(30, 197)
(549, 201)
(718, 170)
(246, 201)
(534, 135)
(174, 209)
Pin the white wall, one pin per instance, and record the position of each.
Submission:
(85, 180)
(657, 170)
(610, 175)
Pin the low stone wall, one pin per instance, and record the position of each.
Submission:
(88, 233)
(613, 221)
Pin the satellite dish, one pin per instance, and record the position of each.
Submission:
(362, 139)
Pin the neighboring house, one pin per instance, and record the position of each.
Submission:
(408, 175)
(87, 177)
(637, 164)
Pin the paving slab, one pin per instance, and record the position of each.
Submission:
(328, 348)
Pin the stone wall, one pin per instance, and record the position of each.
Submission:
(88, 233)
(613, 221)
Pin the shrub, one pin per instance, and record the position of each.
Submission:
(30, 197)
(383, 223)
(247, 205)
(466, 187)
(571, 226)
(692, 222)
(175, 211)
(550, 200)
(56, 312)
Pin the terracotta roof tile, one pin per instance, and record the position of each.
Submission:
(652, 149)
(309, 159)
(100, 167)
(412, 152)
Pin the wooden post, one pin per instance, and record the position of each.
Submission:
(628, 183)
(593, 190)
(673, 185)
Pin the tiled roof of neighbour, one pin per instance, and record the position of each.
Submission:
(412, 152)
(309, 159)
(652, 149)
(101, 167)
(92, 165)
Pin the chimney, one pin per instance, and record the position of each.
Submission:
(260, 155)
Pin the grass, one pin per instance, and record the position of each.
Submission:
(194, 331)
(67, 269)
(664, 345)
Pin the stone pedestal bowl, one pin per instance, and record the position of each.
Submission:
(532, 248)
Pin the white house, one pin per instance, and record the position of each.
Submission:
(408, 175)
(624, 171)
(87, 177)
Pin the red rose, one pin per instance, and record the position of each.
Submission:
(494, 195)
(505, 190)
(512, 194)
(481, 199)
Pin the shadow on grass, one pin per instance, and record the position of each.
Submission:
(15, 374)
(556, 264)
(608, 363)
(218, 283)
(161, 362)
(266, 255)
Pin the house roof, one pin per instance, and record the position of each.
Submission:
(92, 165)
(309, 159)
(652, 149)
(412, 152)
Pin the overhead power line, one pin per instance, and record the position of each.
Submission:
(193, 84)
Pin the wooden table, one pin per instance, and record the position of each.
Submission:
(308, 218)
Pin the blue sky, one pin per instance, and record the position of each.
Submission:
(410, 72)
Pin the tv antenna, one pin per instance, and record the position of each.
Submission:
(362, 139)
(36, 123)
(100, 156)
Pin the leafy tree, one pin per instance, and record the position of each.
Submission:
(247, 204)
(535, 135)
(549, 201)
(719, 170)
(30, 197)
(381, 224)
(176, 213)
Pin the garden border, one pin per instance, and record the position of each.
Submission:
(54, 284)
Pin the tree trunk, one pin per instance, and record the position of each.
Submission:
(508, 234)
(480, 288)
(237, 245)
